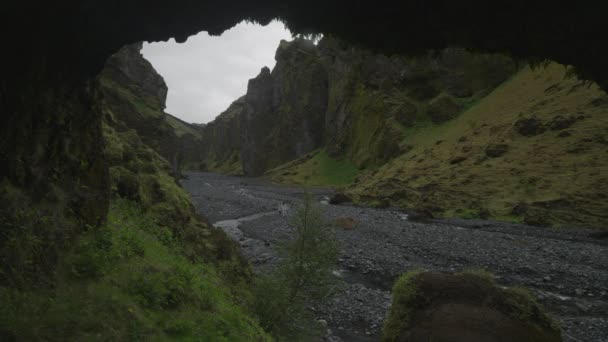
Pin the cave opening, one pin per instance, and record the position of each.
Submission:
(206, 73)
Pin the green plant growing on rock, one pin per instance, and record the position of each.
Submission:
(303, 277)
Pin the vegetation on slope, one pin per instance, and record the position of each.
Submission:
(154, 270)
(135, 95)
(532, 151)
(128, 280)
(221, 146)
(315, 168)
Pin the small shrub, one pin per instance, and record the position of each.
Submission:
(303, 278)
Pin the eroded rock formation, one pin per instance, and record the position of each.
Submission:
(352, 102)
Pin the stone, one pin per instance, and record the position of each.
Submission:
(529, 127)
(460, 307)
(458, 160)
(405, 113)
(339, 198)
(561, 122)
(496, 150)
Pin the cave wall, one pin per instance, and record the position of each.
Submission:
(51, 136)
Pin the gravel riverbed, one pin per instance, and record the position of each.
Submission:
(566, 269)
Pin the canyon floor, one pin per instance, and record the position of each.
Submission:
(566, 269)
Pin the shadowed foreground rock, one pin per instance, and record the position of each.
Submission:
(464, 307)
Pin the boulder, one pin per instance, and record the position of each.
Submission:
(339, 198)
(529, 127)
(561, 122)
(496, 150)
(405, 113)
(443, 108)
(457, 160)
(463, 307)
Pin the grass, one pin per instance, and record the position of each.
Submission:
(128, 280)
(537, 171)
(181, 128)
(316, 169)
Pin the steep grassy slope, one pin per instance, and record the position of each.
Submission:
(534, 150)
(315, 168)
(136, 94)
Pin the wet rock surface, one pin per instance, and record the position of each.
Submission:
(566, 269)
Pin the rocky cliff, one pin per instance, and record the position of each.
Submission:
(452, 133)
(221, 147)
(355, 104)
(136, 95)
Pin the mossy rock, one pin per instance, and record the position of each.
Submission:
(405, 113)
(443, 108)
(464, 307)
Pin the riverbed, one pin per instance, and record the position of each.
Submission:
(565, 268)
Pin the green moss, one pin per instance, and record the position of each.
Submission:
(466, 213)
(404, 291)
(480, 273)
(318, 168)
(436, 305)
(128, 280)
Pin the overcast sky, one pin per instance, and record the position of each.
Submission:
(205, 74)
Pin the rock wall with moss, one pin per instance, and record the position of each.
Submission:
(136, 94)
(356, 104)
(221, 148)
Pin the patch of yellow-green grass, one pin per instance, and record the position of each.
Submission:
(316, 169)
(229, 164)
(181, 128)
(561, 179)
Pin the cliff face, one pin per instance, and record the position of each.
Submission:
(355, 104)
(221, 146)
(136, 95)
(282, 118)
(452, 133)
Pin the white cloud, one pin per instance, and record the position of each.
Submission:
(205, 74)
